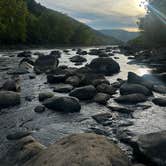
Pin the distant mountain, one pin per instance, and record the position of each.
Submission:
(120, 34)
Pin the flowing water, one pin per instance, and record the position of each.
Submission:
(50, 126)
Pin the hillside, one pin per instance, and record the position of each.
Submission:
(120, 34)
(35, 24)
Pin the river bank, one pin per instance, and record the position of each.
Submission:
(100, 114)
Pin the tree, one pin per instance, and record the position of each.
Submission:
(13, 21)
(153, 25)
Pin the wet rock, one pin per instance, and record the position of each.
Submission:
(39, 109)
(81, 52)
(103, 118)
(105, 66)
(152, 147)
(63, 104)
(131, 98)
(22, 151)
(54, 79)
(78, 58)
(78, 63)
(81, 149)
(73, 80)
(127, 88)
(105, 88)
(159, 89)
(24, 54)
(120, 109)
(45, 64)
(8, 99)
(139, 165)
(63, 88)
(29, 61)
(117, 84)
(97, 82)
(101, 98)
(18, 135)
(135, 79)
(45, 95)
(12, 85)
(32, 76)
(160, 101)
(56, 54)
(84, 93)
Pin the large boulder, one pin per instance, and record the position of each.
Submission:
(45, 64)
(152, 148)
(63, 88)
(160, 101)
(84, 93)
(78, 58)
(131, 98)
(81, 150)
(135, 79)
(56, 54)
(8, 99)
(105, 66)
(127, 88)
(63, 104)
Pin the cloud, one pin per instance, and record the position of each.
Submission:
(100, 13)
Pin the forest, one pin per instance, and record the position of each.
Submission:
(27, 22)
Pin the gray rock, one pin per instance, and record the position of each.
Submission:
(63, 88)
(73, 80)
(153, 148)
(39, 109)
(127, 88)
(46, 64)
(54, 79)
(45, 95)
(159, 89)
(84, 93)
(82, 150)
(101, 98)
(8, 99)
(105, 88)
(105, 66)
(78, 58)
(160, 101)
(131, 98)
(63, 104)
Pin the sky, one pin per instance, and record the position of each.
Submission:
(101, 14)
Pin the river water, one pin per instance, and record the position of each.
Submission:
(51, 126)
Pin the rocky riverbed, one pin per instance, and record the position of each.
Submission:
(87, 90)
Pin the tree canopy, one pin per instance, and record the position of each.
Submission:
(27, 22)
(153, 25)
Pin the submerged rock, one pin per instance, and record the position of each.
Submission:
(63, 104)
(81, 150)
(39, 109)
(8, 99)
(84, 93)
(105, 66)
(131, 98)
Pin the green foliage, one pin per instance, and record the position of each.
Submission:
(153, 26)
(12, 21)
(25, 21)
